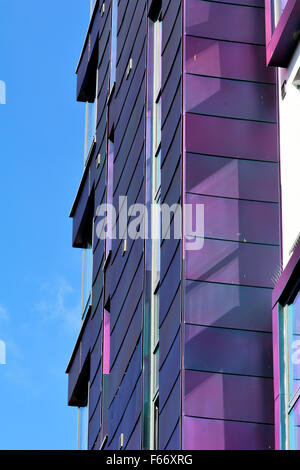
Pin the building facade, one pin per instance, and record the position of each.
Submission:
(175, 349)
(283, 53)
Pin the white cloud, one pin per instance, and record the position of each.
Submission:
(59, 303)
(3, 314)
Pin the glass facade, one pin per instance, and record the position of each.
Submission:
(278, 7)
(87, 275)
(83, 423)
(90, 125)
(290, 373)
(156, 33)
(92, 4)
(113, 43)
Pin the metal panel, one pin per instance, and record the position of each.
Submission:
(238, 220)
(236, 138)
(230, 98)
(230, 351)
(232, 397)
(232, 177)
(210, 434)
(228, 306)
(234, 263)
(225, 21)
(227, 60)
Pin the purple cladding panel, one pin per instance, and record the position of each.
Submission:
(228, 397)
(231, 137)
(230, 351)
(233, 219)
(227, 60)
(227, 306)
(231, 167)
(229, 98)
(224, 21)
(234, 263)
(210, 434)
(229, 177)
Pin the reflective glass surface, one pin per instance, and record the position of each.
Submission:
(91, 118)
(294, 346)
(294, 427)
(87, 279)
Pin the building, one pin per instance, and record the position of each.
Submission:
(175, 348)
(283, 53)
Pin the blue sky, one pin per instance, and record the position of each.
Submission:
(41, 160)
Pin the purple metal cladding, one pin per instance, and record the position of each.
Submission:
(234, 263)
(228, 351)
(210, 434)
(174, 442)
(250, 3)
(126, 389)
(135, 35)
(228, 397)
(134, 442)
(73, 371)
(172, 62)
(83, 69)
(94, 425)
(282, 42)
(238, 220)
(169, 415)
(224, 21)
(128, 307)
(118, 367)
(227, 60)
(129, 18)
(228, 177)
(80, 207)
(169, 370)
(231, 137)
(227, 306)
(125, 135)
(229, 98)
(118, 335)
(170, 285)
(96, 352)
(95, 390)
(129, 419)
(173, 16)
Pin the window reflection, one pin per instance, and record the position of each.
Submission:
(83, 423)
(87, 274)
(277, 7)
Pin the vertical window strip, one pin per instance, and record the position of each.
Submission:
(113, 43)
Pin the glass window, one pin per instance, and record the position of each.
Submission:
(294, 346)
(277, 7)
(156, 424)
(294, 427)
(290, 374)
(87, 274)
(87, 271)
(92, 4)
(90, 122)
(109, 194)
(113, 44)
(83, 423)
(154, 70)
